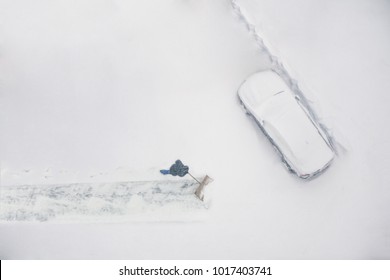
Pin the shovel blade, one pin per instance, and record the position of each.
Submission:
(200, 190)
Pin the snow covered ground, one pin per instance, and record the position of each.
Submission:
(112, 91)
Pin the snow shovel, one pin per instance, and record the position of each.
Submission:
(179, 169)
(199, 191)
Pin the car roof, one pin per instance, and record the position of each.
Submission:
(261, 86)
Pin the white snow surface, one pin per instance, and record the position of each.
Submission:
(112, 91)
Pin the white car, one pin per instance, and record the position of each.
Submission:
(304, 149)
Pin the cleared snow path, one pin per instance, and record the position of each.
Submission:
(119, 201)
